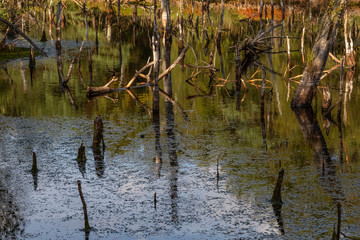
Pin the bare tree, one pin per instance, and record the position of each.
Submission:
(320, 52)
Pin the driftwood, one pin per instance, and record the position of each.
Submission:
(24, 36)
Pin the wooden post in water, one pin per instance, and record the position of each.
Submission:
(99, 146)
(34, 168)
(81, 159)
(98, 137)
(155, 200)
(87, 226)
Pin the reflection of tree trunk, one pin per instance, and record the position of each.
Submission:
(312, 132)
(237, 77)
(348, 90)
(22, 70)
(277, 201)
(156, 101)
(275, 84)
(262, 110)
(81, 159)
(99, 146)
(312, 73)
(341, 158)
(325, 107)
(174, 165)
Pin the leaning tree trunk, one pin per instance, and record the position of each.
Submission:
(313, 71)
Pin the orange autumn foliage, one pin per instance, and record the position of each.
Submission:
(249, 12)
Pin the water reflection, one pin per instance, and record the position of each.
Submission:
(325, 164)
(277, 202)
(347, 93)
(158, 150)
(170, 132)
(219, 211)
(99, 147)
(11, 220)
(174, 165)
(262, 109)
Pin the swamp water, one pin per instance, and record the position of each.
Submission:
(218, 171)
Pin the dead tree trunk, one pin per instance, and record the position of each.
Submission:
(218, 38)
(261, 13)
(43, 36)
(313, 71)
(58, 45)
(349, 45)
(156, 55)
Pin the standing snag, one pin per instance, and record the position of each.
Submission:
(320, 52)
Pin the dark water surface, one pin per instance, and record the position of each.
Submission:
(194, 199)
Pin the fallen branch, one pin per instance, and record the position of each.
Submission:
(202, 67)
(326, 72)
(334, 58)
(148, 64)
(24, 36)
(98, 91)
(169, 69)
(92, 92)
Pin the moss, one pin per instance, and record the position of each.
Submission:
(14, 53)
